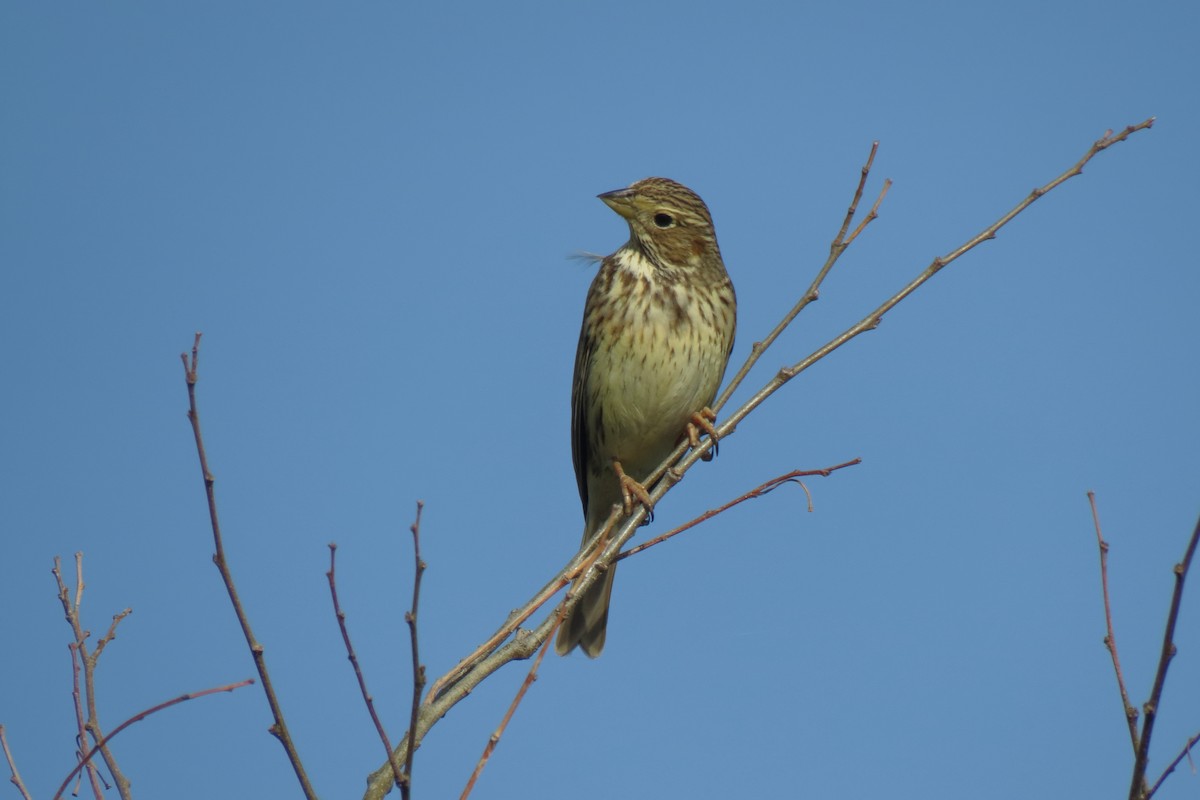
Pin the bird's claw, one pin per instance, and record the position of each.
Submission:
(631, 490)
(703, 420)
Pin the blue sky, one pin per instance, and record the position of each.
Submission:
(369, 212)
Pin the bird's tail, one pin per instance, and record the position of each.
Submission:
(586, 624)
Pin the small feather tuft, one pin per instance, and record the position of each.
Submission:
(586, 257)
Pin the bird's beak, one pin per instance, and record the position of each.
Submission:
(621, 201)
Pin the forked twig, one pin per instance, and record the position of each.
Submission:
(137, 718)
(494, 739)
(579, 564)
(449, 690)
(813, 293)
(872, 320)
(279, 729)
(755, 493)
(86, 662)
(1186, 752)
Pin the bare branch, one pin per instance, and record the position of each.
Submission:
(858, 193)
(836, 248)
(872, 320)
(397, 769)
(494, 739)
(418, 669)
(86, 662)
(279, 729)
(755, 493)
(872, 215)
(1137, 786)
(137, 718)
(81, 726)
(451, 688)
(1186, 752)
(580, 563)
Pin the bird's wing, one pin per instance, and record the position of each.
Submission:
(579, 414)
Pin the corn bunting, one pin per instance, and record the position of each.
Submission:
(657, 332)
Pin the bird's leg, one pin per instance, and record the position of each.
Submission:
(631, 489)
(703, 420)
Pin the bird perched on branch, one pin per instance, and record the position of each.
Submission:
(658, 328)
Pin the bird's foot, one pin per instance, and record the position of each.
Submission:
(703, 420)
(631, 490)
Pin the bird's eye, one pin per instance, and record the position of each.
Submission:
(664, 220)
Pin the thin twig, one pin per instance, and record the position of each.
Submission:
(836, 244)
(418, 669)
(758, 491)
(1110, 639)
(813, 293)
(78, 606)
(1137, 786)
(1186, 752)
(279, 729)
(140, 716)
(579, 563)
(112, 631)
(15, 779)
(523, 644)
(494, 739)
(81, 735)
(872, 215)
(453, 687)
(397, 769)
(872, 320)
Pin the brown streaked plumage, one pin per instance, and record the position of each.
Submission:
(658, 328)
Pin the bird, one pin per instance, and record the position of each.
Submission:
(658, 329)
